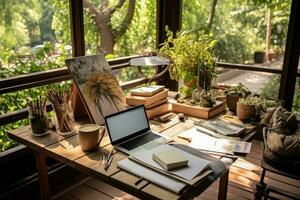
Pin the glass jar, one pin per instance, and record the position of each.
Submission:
(63, 118)
(38, 119)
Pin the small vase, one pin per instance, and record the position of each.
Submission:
(63, 119)
(39, 123)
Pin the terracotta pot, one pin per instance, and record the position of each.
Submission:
(231, 101)
(190, 83)
(245, 113)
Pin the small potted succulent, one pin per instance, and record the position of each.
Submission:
(234, 93)
(247, 109)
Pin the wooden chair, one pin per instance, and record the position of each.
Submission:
(262, 189)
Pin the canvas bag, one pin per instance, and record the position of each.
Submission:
(281, 138)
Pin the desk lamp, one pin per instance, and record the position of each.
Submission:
(150, 61)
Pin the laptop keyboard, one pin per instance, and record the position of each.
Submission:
(138, 141)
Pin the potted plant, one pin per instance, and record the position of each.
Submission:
(234, 93)
(248, 108)
(193, 61)
(259, 56)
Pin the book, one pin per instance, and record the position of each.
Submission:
(170, 159)
(147, 91)
(223, 127)
(158, 103)
(147, 101)
(158, 110)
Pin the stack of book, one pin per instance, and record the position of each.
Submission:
(154, 98)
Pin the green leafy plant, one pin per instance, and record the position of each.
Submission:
(191, 56)
(251, 101)
(239, 90)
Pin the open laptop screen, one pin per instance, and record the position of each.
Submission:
(126, 123)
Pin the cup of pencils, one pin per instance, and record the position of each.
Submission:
(38, 117)
(63, 118)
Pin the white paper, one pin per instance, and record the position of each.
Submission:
(203, 141)
(195, 164)
(242, 147)
(214, 145)
(151, 175)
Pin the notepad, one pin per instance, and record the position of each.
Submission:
(147, 91)
(170, 159)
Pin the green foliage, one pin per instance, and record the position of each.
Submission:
(238, 26)
(271, 91)
(188, 55)
(40, 59)
(239, 90)
(186, 91)
(251, 101)
(271, 88)
(5, 141)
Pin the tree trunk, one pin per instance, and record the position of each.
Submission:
(212, 14)
(268, 35)
(102, 15)
(107, 41)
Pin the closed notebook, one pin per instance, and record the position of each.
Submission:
(170, 159)
(147, 91)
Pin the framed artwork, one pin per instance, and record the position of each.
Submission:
(97, 85)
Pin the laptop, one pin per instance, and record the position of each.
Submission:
(129, 131)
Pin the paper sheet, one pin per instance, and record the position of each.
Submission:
(151, 175)
(203, 141)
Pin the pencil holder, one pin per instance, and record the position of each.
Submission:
(38, 119)
(63, 118)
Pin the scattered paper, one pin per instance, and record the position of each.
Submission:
(203, 140)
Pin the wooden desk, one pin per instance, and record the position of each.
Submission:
(67, 150)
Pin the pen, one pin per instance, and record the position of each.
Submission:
(107, 164)
(206, 133)
(139, 181)
(185, 138)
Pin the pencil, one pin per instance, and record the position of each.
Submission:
(108, 163)
(185, 138)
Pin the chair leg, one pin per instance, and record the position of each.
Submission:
(260, 186)
(266, 194)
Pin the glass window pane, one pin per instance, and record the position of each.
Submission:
(129, 28)
(244, 29)
(35, 36)
(265, 84)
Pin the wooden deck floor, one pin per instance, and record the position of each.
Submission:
(243, 174)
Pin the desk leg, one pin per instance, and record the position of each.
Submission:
(43, 176)
(223, 184)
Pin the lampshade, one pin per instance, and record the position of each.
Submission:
(149, 61)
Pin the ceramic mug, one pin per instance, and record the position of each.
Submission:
(90, 136)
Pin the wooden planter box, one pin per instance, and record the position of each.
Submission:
(195, 111)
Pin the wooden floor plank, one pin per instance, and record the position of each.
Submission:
(65, 197)
(109, 190)
(83, 192)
